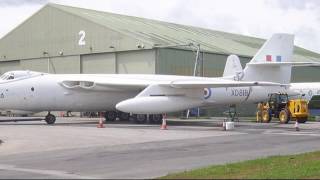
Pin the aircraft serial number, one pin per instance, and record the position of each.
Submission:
(240, 92)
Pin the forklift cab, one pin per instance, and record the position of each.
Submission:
(277, 102)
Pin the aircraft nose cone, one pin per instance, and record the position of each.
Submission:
(124, 106)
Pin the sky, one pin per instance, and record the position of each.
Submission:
(258, 18)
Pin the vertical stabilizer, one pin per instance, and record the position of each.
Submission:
(276, 51)
(233, 69)
(279, 48)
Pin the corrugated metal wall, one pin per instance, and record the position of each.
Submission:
(98, 63)
(181, 62)
(55, 31)
(136, 62)
(306, 74)
(40, 65)
(65, 65)
(57, 65)
(175, 62)
(9, 66)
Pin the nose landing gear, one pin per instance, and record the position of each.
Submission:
(50, 119)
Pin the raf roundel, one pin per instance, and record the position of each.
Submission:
(207, 93)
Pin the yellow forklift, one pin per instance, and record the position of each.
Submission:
(279, 106)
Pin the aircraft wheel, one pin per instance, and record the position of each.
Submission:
(124, 116)
(50, 119)
(284, 116)
(111, 116)
(266, 116)
(140, 118)
(156, 118)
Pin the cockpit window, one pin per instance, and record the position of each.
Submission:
(7, 77)
(10, 77)
(13, 75)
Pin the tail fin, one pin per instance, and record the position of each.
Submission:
(233, 69)
(277, 50)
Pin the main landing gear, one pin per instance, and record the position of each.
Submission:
(50, 119)
(136, 118)
(114, 115)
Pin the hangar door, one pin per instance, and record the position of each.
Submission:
(56, 65)
(98, 63)
(40, 65)
(136, 62)
(9, 66)
(65, 65)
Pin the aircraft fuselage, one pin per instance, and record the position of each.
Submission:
(45, 93)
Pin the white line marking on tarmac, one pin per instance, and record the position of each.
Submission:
(60, 174)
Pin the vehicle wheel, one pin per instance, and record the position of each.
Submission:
(50, 119)
(124, 116)
(140, 118)
(111, 116)
(302, 120)
(156, 118)
(266, 116)
(259, 117)
(284, 116)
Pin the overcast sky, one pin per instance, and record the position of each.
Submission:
(258, 18)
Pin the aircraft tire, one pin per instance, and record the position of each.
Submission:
(156, 118)
(140, 118)
(111, 116)
(50, 119)
(124, 116)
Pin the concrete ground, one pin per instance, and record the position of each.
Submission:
(75, 148)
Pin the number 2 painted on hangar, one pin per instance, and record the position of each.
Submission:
(82, 40)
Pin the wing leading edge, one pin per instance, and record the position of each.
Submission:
(140, 85)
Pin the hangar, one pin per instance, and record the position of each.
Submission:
(64, 39)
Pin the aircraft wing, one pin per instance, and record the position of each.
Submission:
(138, 85)
(156, 94)
(99, 85)
(194, 84)
(177, 95)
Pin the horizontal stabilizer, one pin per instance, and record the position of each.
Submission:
(275, 64)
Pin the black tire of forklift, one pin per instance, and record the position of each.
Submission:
(302, 120)
(266, 116)
(284, 116)
(259, 116)
(50, 119)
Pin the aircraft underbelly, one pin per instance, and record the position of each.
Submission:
(48, 95)
(97, 101)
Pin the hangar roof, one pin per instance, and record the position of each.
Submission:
(163, 34)
(53, 31)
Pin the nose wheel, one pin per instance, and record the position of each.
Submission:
(50, 119)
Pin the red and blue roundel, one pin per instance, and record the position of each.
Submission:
(207, 93)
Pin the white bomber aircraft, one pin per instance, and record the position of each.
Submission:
(30, 92)
(270, 64)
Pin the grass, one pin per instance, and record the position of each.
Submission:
(304, 166)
